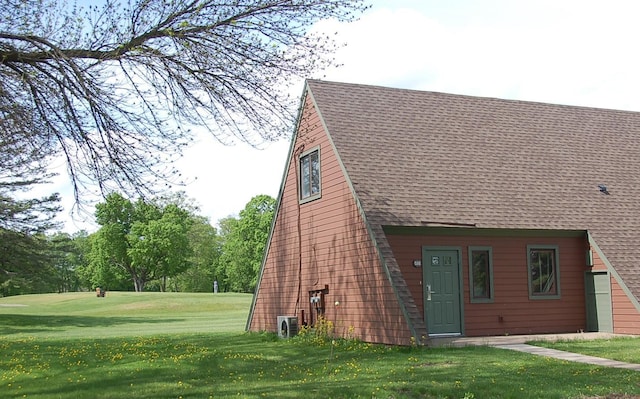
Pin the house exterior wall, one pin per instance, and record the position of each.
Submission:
(325, 242)
(512, 311)
(626, 317)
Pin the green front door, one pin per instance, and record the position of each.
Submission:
(598, 291)
(441, 284)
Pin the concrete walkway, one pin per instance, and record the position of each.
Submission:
(519, 343)
(572, 357)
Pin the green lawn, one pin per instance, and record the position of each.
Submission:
(130, 345)
(624, 349)
(83, 315)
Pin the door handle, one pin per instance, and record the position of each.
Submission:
(429, 292)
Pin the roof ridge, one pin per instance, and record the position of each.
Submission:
(460, 95)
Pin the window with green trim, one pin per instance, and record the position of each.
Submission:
(480, 274)
(544, 273)
(310, 175)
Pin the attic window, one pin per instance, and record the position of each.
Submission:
(310, 175)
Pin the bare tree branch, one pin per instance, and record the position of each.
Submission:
(118, 89)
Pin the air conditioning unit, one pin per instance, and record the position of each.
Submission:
(287, 326)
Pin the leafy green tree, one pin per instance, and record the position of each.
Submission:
(206, 246)
(109, 258)
(114, 88)
(108, 266)
(226, 226)
(245, 243)
(159, 246)
(61, 258)
(78, 258)
(142, 240)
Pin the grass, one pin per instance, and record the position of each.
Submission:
(624, 349)
(131, 345)
(82, 314)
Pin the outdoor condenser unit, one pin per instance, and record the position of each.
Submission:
(287, 326)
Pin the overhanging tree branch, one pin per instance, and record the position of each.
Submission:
(120, 90)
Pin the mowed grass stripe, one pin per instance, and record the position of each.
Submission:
(122, 314)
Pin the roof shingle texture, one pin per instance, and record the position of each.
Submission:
(417, 157)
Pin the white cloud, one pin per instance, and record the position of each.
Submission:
(569, 52)
(385, 47)
(227, 177)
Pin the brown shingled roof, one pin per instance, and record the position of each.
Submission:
(417, 156)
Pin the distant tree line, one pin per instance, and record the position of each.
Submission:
(159, 245)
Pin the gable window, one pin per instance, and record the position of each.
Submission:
(544, 276)
(481, 274)
(310, 175)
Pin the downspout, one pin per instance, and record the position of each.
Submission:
(296, 154)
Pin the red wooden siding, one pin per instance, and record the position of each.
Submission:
(336, 251)
(626, 318)
(512, 312)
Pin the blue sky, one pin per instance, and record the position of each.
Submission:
(560, 51)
